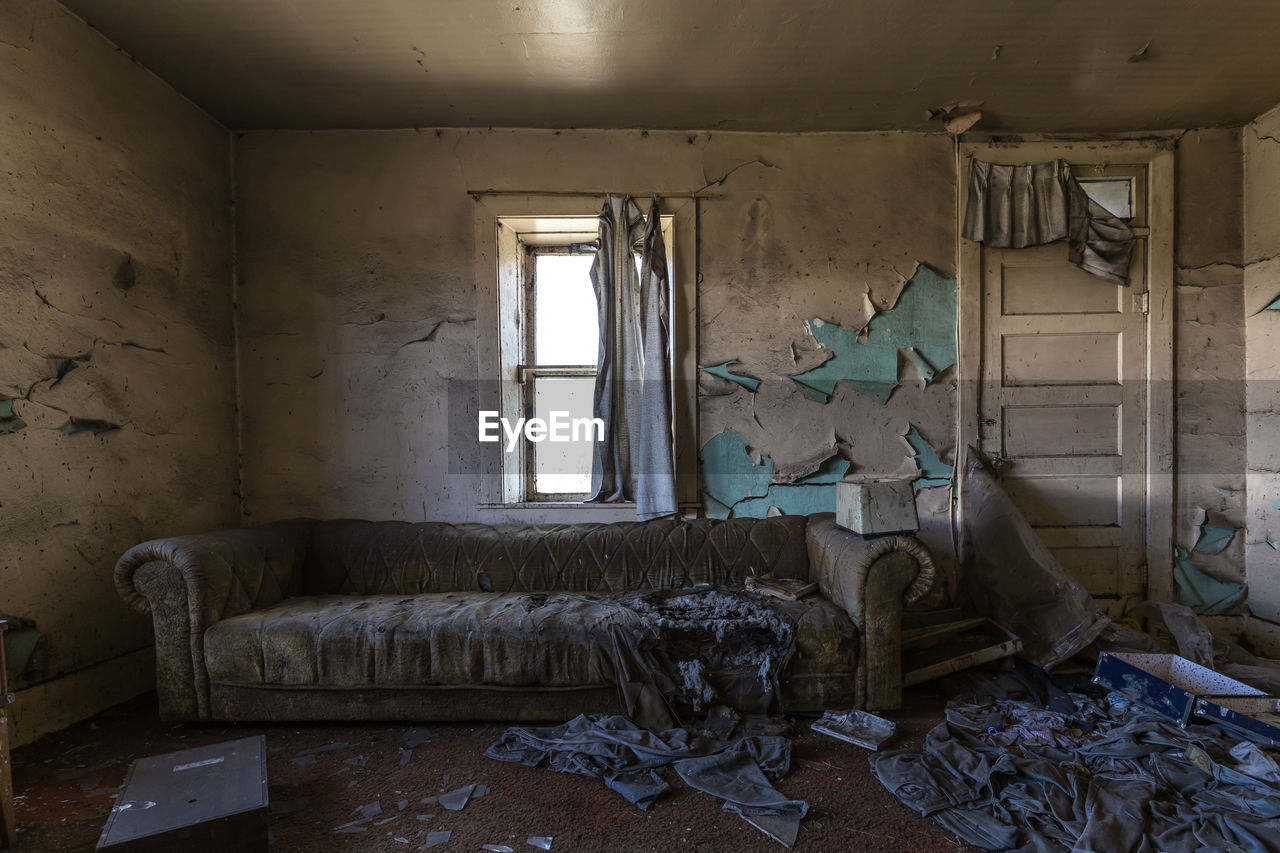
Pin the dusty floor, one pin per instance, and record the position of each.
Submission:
(66, 784)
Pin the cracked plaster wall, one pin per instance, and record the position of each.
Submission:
(358, 293)
(358, 300)
(115, 258)
(1262, 374)
(1209, 348)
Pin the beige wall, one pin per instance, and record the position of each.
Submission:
(1209, 348)
(355, 246)
(115, 251)
(1262, 371)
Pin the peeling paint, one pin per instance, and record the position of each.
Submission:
(1201, 592)
(922, 321)
(1274, 305)
(734, 486)
(97, 427)
(722, 370)
(9, 420)
(1213, 539)
(728, 474)
(934, 472)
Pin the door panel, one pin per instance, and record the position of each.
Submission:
(1062, 400)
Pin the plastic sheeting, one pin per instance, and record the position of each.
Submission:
(1013, 578)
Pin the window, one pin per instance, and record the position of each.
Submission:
(549, 348)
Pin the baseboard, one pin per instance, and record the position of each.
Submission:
(55, 704)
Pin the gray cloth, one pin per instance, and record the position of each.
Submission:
(627, 759)
(1012, 207)
(1134, 783)
(633, 387)
(1015, 579)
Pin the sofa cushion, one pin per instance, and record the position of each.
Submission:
(555, 639)
(449, 638)
(400, 558)
(826, 639)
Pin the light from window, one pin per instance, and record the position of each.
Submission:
(564, 467)
(1115, 194)
(566, 326)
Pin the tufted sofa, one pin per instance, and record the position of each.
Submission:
(359, 620)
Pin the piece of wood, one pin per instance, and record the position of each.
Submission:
(8, 822)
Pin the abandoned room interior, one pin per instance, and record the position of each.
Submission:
(587, 425)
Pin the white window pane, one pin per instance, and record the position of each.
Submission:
(564, 467)
(1115, 194)
(566, 326)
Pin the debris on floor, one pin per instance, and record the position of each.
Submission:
(457, 799)
(856, 727)
(1084, 770)
(628, 758)
(437, 837)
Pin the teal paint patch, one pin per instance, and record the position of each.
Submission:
(924, 318)
(735, 487)
(934, 472)
(722, 370)
(1274, 306)
(728, 474)
(1275, 504)
(1226, 491)
(63, 365)
(712, 508)
(88, 425)
(1213, 539)
(923, 368)
(802, 500)
(1202, 593)
(9, 420)
(806, 496)
(810, 392)
(1273, 545)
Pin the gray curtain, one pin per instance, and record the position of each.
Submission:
(633, 388)
(1012, 207)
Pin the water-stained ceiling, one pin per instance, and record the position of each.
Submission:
(783, 65)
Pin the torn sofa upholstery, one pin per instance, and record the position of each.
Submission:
(308, 619)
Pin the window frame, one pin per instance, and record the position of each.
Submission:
(503, 223)
(527, 371)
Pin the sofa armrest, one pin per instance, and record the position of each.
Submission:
(871, 579)
(188, 583)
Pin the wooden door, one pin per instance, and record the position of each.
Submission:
(1063, 398)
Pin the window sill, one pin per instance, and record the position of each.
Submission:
(556, 505)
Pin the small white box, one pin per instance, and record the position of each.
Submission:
(877, 506)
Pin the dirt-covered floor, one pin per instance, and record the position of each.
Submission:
(66, 784)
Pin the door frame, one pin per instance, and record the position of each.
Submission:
(1157, 155)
